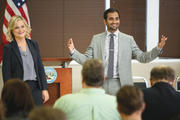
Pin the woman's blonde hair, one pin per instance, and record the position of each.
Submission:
(11, 25)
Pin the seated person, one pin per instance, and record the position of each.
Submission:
(17, 99)
(130, 103)
(91, 103)
(46, 113)
(162, 100)
(1, 111)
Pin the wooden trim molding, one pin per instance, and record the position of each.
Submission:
(57, 59)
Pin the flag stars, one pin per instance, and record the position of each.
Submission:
(19, 4)
(23, 0)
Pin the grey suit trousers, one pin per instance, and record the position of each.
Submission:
(111, 86)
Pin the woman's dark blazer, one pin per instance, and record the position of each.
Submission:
(12, 66)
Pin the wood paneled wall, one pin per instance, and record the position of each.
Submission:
(133, 19)
(169, 25)
(54, 22)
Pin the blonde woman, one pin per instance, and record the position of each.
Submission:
(21, 59)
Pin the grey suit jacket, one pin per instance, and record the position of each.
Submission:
(127, 50)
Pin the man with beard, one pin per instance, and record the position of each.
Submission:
(115, 49)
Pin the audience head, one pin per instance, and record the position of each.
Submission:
(12, 26)
(16, 97)
(1, 111)
(162, 73)
(130, 100)
(93, 73)
(46, 113)
(110, 10)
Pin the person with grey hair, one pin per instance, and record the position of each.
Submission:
(162, 100)
(91, 103)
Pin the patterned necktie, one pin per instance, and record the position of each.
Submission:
(111, 57)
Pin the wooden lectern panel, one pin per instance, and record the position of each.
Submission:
(61, 86)
(54, 93)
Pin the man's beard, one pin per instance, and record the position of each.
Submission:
(113, 29)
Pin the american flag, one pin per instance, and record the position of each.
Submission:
(13, 7)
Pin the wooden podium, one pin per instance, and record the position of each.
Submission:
(63, 83)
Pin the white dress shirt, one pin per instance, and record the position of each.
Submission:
(106, 56)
